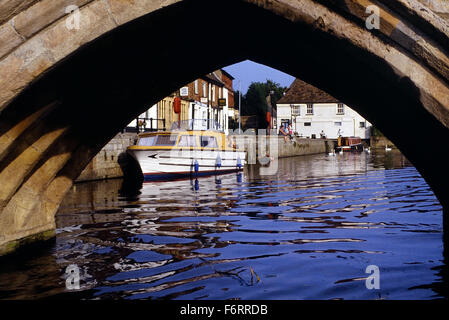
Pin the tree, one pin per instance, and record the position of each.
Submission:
(255, 100)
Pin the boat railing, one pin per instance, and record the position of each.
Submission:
(196, 124)
(144, 124)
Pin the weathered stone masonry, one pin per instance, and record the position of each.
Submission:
(64, 93)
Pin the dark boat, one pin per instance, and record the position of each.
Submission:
(345, 144)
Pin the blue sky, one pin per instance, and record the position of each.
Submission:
(248, 71)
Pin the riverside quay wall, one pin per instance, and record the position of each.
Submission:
(260, 147)
(112, 160)
(301, 147)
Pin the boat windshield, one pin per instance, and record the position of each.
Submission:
(187, 141)
(208, 142)
(146, 141)
(166, 140)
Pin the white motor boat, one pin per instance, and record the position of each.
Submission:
(183, 153)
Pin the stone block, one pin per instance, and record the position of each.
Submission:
(61, 41)
(125, 10)
(42, 14)
(9, 39)
(9, 8)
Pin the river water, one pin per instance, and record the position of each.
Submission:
(307, 232)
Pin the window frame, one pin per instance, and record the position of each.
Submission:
(204, 89)
(296, 108)
(309, 107)
(340, 109)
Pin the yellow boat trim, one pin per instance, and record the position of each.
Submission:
(221, 141)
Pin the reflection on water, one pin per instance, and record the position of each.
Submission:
(308, 232)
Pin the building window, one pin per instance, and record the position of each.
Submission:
(295, 110)
(196, 86)
(204, 90)
(338, 123)
(307, 124)
(340, 108)
(309, 108)
(362, 124)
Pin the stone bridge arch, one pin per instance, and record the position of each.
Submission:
(65, 92)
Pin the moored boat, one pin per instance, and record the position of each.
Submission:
(183, 153)
(346, 144)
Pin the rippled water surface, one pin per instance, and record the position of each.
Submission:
(308, 232)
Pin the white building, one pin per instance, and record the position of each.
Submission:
(312, 112)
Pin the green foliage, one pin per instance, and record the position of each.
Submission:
(255, 100)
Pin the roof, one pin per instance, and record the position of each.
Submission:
(212, 77)
(302, 92)
(227, 74)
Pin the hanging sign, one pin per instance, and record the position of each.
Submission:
(177, 105)
(221, 102)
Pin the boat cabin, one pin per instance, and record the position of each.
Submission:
(195, 140)
(349, 144)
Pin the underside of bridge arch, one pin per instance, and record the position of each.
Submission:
(57, 122)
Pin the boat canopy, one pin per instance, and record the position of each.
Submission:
(178, 139)
(181, 139)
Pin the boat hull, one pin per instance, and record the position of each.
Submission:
(184, 175)
(175, 164)
(353, 148)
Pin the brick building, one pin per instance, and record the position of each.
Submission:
(199, 103)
